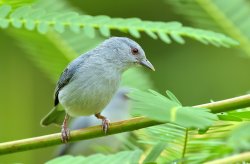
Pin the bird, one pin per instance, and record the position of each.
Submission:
(117, 110)
(89, 82)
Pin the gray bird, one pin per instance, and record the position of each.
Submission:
(116, 110)
(89, 82)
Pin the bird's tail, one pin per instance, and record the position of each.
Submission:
(55, 116)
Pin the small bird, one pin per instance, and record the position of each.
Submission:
(89, 82)
(117, 110)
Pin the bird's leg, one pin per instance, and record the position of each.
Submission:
(65, 133)
(105, 122)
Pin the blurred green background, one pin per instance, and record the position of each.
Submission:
(194, 72)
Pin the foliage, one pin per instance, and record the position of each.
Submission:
(52, 36)
(242, 132)
(122, 157)
(166, 110)
(218, 15)
(39, 18)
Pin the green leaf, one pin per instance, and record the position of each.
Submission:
(240, 114)
(121, 157)
(20, 12)
(203, 131)
(42, 27)
(30, 24)
(173, 97)
(4, 11)
(165, 110)
(89, 31)
(16, 23)
(164, 37)
(4, 23)
(134, 26)
(239, 138)
(151, 34)
(228, 117)
(218, 16)
(75, 27)
(16, 3)
(105, 31)
(59, 27)
(177, 37)
(39, 15)
(155, 152)
(134, 32)
(185, 145)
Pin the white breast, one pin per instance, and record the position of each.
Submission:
(90, 92)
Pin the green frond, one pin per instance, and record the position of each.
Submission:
(169, 134)
(37, 18)
(16, 3)
(166, 110)
(241, 158)
(121, 157)
(155, 152)
(237, 115)
(242, 132)
(185, 145)
(230, 17)
(172, 97)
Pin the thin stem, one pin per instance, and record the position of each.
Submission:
(185, 144)
(228, 104)
(232, 159)
(117, 127)
(81, 134)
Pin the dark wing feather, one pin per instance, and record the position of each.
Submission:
(68, 73)
(64, 79)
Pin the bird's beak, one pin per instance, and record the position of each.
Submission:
(147, 64)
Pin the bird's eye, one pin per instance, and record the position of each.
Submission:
(134, 51)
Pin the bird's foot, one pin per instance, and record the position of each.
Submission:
(105, 125)
(105, 122)
(65, 134)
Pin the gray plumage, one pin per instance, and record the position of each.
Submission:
(88, 83)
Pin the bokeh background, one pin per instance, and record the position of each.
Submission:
(194, 72)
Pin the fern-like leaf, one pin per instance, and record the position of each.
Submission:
(38, 18)
(166, 110)
(121, 157)
(185, 145)
(230, 17)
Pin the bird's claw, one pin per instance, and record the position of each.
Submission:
(105, 125)
(65, 134)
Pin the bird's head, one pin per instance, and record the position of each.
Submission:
(126, 52)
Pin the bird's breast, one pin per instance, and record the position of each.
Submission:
(89, 93)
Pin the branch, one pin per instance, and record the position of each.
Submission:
(117, 127)
(232, 159)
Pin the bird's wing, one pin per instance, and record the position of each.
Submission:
(64, 79)
(67, 75)
(56, 115)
